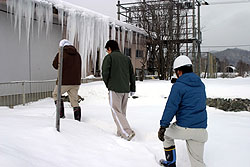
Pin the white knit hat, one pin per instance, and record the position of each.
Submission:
(64, 42)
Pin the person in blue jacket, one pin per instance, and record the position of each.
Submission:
(187, 102)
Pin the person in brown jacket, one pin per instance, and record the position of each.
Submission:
(71, 77)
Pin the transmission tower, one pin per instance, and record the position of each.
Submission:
(182, 32)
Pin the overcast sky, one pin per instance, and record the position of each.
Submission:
(222, 24)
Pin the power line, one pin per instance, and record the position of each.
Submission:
(221, 46)
(228, 2)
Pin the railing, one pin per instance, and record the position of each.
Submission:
(22, 92)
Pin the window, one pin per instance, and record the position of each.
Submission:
(139, 53)
(127, 52)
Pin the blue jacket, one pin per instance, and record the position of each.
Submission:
(187, 101)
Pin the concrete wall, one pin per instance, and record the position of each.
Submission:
(22, 60)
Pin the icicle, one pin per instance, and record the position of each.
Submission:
(18, 16)
(139, 39)
(10, 6)
(91, 31)
(123, 38)
(61, 17)
(28, 14)
(104, 29)
(91, 52)
(40, 16)
(32, 17)
(48, 16)
(130, 38)
(20, 8)
(119, 36)
(84, 41)
(71, 26)
(89, 39)
(136, 40)
(81, 42)
(113, 31)
(83, 51)
(95, 42)
(89, 47)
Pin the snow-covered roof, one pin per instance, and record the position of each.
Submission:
(74, 6)
(232, 67)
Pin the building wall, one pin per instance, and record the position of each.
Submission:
(137, 61)
(23, 60)
(139, 45)
(32, 60)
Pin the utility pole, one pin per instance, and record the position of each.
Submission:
(199, 42)
(194, 37)
(118, 10)
(187, 34)
(199, 3)
(178, 29)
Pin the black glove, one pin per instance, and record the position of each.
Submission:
(161, 133)
(173, 80)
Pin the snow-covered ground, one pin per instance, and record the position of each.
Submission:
(28, 137)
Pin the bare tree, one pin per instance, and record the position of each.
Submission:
(164, 21)
(242, 68)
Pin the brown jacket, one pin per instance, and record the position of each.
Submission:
(71, 73)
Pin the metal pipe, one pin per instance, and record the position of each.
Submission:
(23, 93)
(59, 84)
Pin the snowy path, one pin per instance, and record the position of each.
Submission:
(28, 137)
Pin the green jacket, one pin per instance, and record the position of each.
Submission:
(118, 73)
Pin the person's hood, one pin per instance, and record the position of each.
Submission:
(70, 50)
(190, 79)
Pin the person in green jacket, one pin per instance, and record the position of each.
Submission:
(118, 76)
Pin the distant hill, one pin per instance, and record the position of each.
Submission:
(233, 56)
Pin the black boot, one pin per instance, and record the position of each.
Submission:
(77, 113)
(61, 109)
(170, 157)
